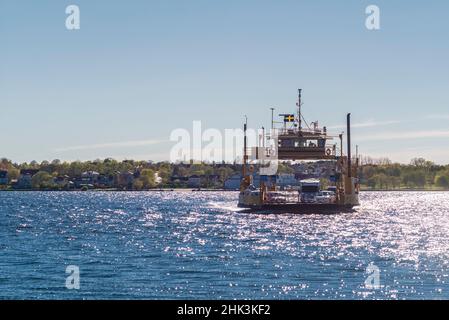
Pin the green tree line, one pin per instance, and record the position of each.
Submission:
(418, 174)
(380, 174)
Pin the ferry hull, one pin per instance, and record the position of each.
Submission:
(299, 208)
(254, 203)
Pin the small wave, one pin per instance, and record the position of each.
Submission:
(226, 206)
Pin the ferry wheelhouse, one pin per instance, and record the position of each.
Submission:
(293, 142)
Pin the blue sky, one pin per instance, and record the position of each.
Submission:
(136, 70)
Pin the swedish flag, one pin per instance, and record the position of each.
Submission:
(289, 118)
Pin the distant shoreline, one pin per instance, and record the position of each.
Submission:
(400, 190)
(208, 190)
(118, 190)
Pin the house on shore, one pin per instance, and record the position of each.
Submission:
(90, 177)
(4, 178)
(106, 181)
(25, 178)
(194, 181)
(125, 180)
(203, 181)
(233, 182)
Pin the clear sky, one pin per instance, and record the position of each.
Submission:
(136, 70)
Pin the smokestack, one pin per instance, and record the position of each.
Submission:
(245, 156)
(348, 124)
(299, 108)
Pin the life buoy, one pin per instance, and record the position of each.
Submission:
(328, 152)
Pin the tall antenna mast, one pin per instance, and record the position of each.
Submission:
(245, 156)
(299, 108)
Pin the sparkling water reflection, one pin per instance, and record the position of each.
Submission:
(168, 245)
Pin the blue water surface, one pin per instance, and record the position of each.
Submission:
(197, 245)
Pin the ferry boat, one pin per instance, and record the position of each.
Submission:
(293, 142)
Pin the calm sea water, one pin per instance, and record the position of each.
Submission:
(195, 245)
